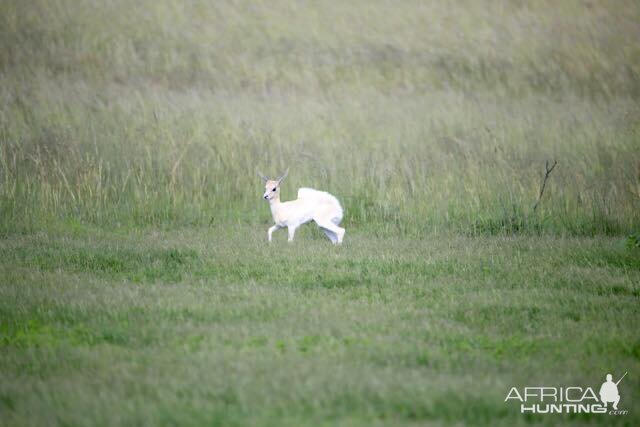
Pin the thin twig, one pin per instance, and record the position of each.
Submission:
(544, 181)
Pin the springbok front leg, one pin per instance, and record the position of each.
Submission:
(292, 231)
(272, 229)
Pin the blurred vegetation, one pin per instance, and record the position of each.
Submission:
(419, 116)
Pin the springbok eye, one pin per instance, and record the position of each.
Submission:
(273, 189)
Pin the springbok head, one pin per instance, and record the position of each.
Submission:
(272, 187)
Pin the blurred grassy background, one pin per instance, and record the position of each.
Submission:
(419, 116)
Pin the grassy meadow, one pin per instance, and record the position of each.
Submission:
(136, 283)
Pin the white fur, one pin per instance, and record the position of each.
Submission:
(311, 205)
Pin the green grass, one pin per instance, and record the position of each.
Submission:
(198, 327)
(136, 286)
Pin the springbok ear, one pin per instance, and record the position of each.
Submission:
(284, 175)
(264, 178)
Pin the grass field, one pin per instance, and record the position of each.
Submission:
(216, 327)
(136, 283)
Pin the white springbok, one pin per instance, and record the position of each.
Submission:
(311, 205)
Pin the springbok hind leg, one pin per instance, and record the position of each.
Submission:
(338, 232)
(330, 234)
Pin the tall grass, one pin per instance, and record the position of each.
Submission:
(419, 116)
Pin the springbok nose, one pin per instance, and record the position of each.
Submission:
(266, 197)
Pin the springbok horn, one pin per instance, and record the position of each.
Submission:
(284, 175)
(264, 178)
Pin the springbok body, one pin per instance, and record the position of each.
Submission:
(311, 205)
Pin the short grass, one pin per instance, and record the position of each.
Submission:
(215, 326)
